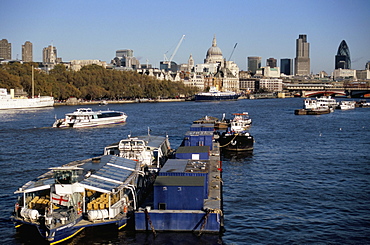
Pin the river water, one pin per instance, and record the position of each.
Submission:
(307, 181)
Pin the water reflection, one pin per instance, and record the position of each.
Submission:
(237, 156)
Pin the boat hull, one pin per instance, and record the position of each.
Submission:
(26, 103)
(312, 112)
(68, 231)
(235, 142)
(180, 220)
(91, 123)
(203, 98)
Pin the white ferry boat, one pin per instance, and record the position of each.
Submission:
(98, 191)
(347, 105)
(324, 101)
(149, 149)
(86, 117)
(8, 101)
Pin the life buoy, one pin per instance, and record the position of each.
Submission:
(16, 207)
(125, 208)
(79, 208)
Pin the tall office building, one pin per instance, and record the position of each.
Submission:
(254, 63)
(302, 59)
(27, 54)
(271, 62)
(343, 59)
(286, 66)
(49, 55)
(5, 50)
(124, 53)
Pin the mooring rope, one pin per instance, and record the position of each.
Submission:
(150, 222)
(229, 142)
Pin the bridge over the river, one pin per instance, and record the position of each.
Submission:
(313, 90)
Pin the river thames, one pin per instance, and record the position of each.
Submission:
(307, 181)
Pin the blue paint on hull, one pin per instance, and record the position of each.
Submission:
(174, 220)
(216, 98)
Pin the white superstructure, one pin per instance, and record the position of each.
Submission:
(7, 101)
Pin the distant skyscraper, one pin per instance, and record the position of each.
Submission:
(125, 53)
(49, 54)
(5, 50)
(27, 55)
(286, 66)
(343, 59)
(254, 63)
(302, 59)
(271, 62)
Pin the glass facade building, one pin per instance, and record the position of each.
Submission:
(286, 66)
(254, 63)
(343, 59)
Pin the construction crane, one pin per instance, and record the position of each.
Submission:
(233, 51)
(174, 52)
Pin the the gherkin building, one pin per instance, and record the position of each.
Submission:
(343, 59)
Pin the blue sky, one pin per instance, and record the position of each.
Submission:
(95, 29)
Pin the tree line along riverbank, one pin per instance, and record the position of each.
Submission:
(90, 83)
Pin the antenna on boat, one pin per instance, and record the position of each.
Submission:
(33, 84)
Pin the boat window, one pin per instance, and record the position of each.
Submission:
(65, 176)
(162, 206)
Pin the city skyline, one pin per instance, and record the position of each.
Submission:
(268, 29)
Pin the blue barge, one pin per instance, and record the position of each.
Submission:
(187, 194)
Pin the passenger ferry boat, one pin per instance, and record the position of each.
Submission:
(86, 117)
(215, 95)
(324, 101)
(8, 101)
(347, 105)
(98, 191)
(148, 149)
(318, 106)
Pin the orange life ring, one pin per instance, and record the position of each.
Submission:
(79, 208)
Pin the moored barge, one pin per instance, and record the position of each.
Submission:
(187, 193)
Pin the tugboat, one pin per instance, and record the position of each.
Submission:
(236, 138)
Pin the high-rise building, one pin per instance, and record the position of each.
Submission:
(271, 62)
(343, 59)
(286, 66)
(302, 59)
(367, 66)
(125, 53)
(27, 54)
(5, 50)
(49, 55)
(254, 63)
